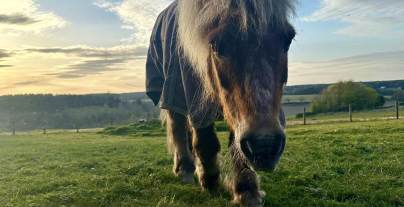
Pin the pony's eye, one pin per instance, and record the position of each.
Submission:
(214, 47)
(224, 45)
(218, 48)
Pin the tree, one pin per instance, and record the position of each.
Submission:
(337, 97)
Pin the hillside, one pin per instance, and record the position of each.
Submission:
(40, 111)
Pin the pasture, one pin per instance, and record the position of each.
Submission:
(327, 164)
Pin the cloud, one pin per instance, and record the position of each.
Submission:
(364, 17)
(136, 15)
(91, 67)
(369, 67)
(16, 19)
(24, 16)
(5, 66)
(85, 51)
(28, 82)
(4, 54)
(93, 61)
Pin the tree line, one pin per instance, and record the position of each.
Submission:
(46, 111)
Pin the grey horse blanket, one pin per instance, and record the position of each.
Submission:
(170, 79)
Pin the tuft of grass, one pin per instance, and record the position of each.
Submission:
(221, 126)
(330, 164)
(147, 129)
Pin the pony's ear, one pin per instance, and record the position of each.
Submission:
(289, 36)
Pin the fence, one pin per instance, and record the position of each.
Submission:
(392, 112)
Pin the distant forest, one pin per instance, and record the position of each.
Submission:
(28, 112)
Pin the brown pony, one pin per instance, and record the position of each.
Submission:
(238, 51)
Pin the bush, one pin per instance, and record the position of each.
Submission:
(337, 97)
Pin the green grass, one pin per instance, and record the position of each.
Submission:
(153, 128)
(358, 164)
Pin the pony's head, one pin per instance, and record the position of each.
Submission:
(239, 49)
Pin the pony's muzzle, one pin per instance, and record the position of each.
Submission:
(264, 152)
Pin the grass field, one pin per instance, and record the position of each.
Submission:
(344, 164)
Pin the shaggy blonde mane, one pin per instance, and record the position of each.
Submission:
(195, 17)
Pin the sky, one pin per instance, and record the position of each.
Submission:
(99, 46)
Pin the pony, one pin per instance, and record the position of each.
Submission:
(236, 52)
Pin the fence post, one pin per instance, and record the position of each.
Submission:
(304, 116)
(350, 112)
(397, 109)
(44, 130)
(77, 128)
(13, 127)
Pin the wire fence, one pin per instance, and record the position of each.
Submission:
(393, 112)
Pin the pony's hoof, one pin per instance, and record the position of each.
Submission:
(248, 200)
(249, 203)
(209, 182)
(188, 178)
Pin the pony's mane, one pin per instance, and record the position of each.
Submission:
(195, 17)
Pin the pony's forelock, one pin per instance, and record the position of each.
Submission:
(195, 17)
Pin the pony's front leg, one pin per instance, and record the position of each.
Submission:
(206, 147)
(179, 144)
(242, 180)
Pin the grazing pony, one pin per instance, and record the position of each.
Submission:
(230, 57)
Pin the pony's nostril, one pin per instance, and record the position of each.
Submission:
(248, 145)
(281, 139)
(247, 148)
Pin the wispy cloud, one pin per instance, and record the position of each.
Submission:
(93, 61)
(24, 16)
(92, 67)
(369, 67)
(364, 17)
(98, 52)
(5, 66)
(136, 15)
(18, 19)
(28, 82)
(4, 54)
